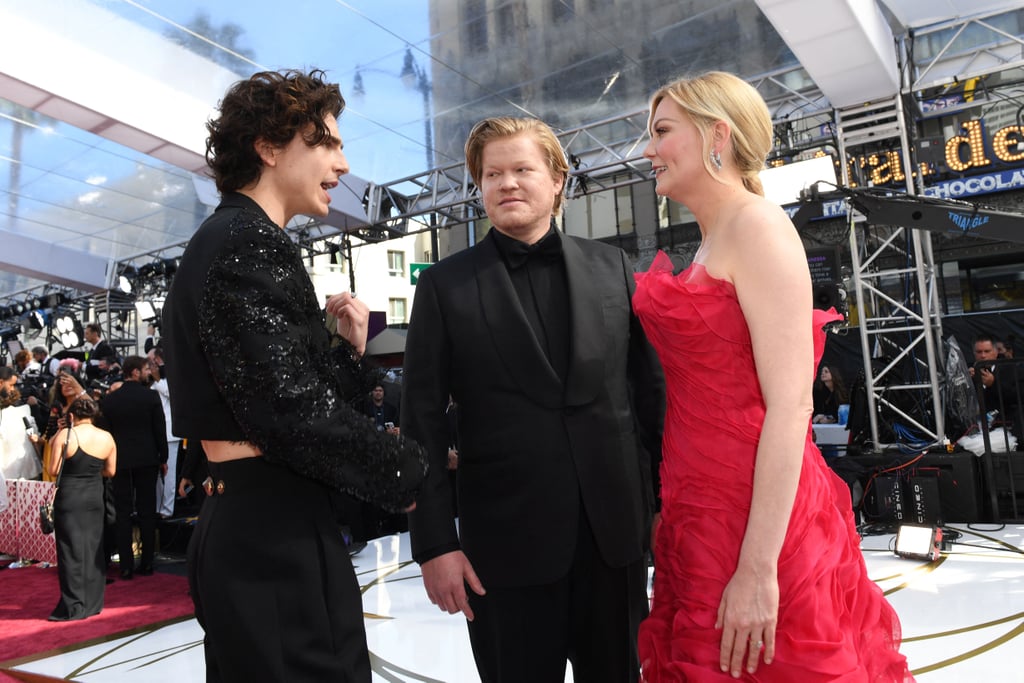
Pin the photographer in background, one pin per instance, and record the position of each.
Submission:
(999, 384)
(34, 387)
(48, 365)
(22, 361)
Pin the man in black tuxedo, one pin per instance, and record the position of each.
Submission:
(101, 353)
(135, 417)
(561, 402)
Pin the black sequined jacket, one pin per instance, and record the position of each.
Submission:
(249, 358)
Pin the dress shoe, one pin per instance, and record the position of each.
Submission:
(144, 571)
(127, 574)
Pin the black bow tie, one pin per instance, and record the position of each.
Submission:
(547, 249)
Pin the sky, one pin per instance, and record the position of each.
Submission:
(383, 130)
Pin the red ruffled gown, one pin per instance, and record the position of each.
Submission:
(834, 622)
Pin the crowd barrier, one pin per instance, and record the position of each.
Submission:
(19, 523)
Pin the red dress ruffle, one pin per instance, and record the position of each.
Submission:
(834, 622)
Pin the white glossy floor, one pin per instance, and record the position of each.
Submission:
(963, 620)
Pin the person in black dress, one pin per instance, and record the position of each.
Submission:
(87, 454)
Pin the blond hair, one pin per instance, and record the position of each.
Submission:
(719, 96)
(500, 127)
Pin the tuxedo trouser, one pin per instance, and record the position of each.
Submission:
(272, 581)
(135, 489)
(590, 617)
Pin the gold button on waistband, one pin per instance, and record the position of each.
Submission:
(208, 486)
(220, 487)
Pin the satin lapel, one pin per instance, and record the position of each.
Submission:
(587, 329)
(513, 338)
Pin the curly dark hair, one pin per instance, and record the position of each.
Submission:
(272, 106)
(84, 407)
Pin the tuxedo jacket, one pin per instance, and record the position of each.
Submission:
(533, 450)
(102, 351)
(249, 358)
(134, 416)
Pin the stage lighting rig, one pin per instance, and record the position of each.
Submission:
(69, 331)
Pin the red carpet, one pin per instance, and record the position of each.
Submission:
(29, 594)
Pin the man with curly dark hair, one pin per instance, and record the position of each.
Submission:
(253, 376)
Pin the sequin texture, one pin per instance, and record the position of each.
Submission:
(266, 341)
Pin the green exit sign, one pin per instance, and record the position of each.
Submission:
(414, 271)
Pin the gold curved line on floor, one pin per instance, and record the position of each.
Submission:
(110, 637)
(387, 670)
(966, 629)
(371, 615)
(380, 579)
(165, 654)
(392, 568)
(997, 541)
(927, 568)
(981, 649)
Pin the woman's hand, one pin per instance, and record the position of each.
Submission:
(747, 615)
(67, 380)
(353, 319)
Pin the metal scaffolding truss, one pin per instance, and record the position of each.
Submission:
(603, 155)
(961, 49)
(899, 324)
(906, 330)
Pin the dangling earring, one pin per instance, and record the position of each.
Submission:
(716, 159)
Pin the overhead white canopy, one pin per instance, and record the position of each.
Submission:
(849, 51)
(915, 13)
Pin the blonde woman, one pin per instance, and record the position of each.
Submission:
(759, 571)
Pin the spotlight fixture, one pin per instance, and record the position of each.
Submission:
(55, 299)
(146, 310)
(36, 320)
(69, 330)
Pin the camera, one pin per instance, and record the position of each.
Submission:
(102, 386)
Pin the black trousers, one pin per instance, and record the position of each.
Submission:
(272, 581)
(589, 617)
(135, 489)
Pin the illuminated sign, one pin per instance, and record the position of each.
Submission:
(969, 150)
(999, 181)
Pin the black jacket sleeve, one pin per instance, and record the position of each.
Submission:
(647, 394)
(268, 348)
